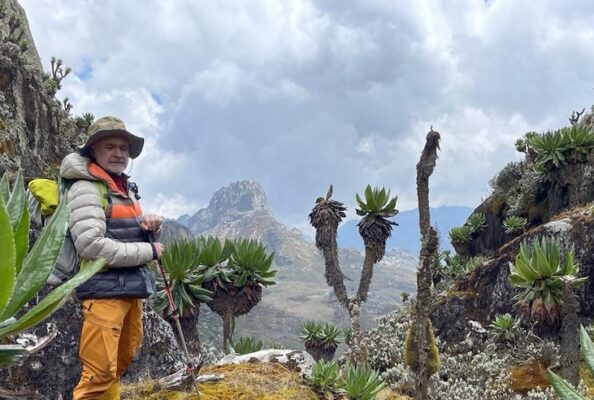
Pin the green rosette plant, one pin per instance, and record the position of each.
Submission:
(24, 272)
(540, 270)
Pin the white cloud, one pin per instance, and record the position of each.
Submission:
(301, 94)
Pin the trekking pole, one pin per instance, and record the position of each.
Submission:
(175, 314)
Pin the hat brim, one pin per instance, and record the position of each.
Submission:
(136, 142)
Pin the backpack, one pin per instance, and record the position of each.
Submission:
(43, 196)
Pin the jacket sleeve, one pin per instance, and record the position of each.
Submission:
(88, 228)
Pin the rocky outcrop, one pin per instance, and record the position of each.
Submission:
(35, 130)
(229, 204)
(298, 361)
(172, 230)
(488, 292)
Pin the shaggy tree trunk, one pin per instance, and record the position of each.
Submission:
(189, 326)
(425, 168)
(228, 327)
(333, 274)
(359, 350)
(366, 275)
(320, 351)
(570, 338)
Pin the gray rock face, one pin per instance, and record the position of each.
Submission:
(35, 131)
(231, 203)
(55, 370)
(172, 230)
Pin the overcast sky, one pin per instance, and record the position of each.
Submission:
(300, 94)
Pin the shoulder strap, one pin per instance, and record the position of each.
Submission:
(105, 199)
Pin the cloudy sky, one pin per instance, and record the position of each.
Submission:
(297, 94)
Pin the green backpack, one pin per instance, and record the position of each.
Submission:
(43, 196)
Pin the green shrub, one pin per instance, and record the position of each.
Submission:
(556, 148)
(324, 375)
(246, 345)
(360, 382)
(514, 224)
(504, 327)
(460, 234)
(476, 222)
(321, 334)
(540, 271)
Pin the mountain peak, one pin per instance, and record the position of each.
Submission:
(242, 196)
(228, 204)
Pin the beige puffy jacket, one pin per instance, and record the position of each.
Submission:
(87, 220)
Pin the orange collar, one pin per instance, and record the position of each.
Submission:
(101, 174)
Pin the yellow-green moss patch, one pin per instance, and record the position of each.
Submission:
(528, 376)
(264, 381)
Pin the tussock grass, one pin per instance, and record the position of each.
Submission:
(242, 381)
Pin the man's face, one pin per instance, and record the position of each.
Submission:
(112, 153)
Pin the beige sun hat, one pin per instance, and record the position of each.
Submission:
(111, 126)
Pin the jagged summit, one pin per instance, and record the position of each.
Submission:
(230, 203)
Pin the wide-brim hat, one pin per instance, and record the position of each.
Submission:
(111, 126)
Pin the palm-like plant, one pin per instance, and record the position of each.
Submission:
(540, 271)
(237, 284)
(25, 272)
(514, 224)
(551, 148)
(321, 340)
(562, 387)
(181, 261)
(374, 227)
(569, 144)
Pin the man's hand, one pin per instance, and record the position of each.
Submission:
(151, 222)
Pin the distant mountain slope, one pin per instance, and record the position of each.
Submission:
(241, 210)
(406, 235)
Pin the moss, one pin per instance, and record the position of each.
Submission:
(587, 379)
(411, 352)
(528, 376)
(454, 293)
(537, 213)
(496, 204)
(249, 381)
(388, 394)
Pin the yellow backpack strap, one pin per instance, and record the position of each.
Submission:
(105, 199)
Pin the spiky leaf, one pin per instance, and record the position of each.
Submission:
(54, 300)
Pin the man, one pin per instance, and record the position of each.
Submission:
(106, 221)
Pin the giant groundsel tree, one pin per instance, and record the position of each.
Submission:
(375, 229)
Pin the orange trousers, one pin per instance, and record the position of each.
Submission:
(110, 336)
